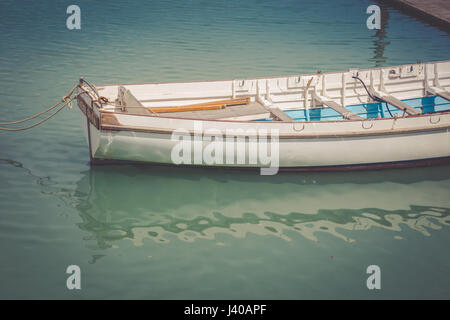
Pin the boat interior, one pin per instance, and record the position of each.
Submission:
(354, 95)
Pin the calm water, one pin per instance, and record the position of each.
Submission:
(173, 233)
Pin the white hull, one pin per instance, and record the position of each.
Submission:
(307, 144)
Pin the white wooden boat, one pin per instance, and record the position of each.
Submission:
(357, 119)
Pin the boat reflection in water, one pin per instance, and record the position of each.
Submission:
(162, 204)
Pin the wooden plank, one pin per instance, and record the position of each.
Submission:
(347, 114)
(184, 108)
(396, 103)
(278, 114)
(252, 109)
(131, 104)
(444, 94)
(211, 105)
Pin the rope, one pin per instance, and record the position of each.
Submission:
(32, 117)
(67, 99)
(35, 124)
(374, 98)
(364, 85)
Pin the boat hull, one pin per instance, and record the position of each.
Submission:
(352, 167)
(331, 150)
(127, 132)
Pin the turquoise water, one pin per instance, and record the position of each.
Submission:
(164, 233)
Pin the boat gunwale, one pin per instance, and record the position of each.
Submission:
(297, 135)
(276, 122)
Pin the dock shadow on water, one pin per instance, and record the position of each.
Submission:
(162, 204)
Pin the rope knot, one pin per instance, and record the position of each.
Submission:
(68, 100)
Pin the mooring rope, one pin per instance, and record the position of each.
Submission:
(67, 100)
